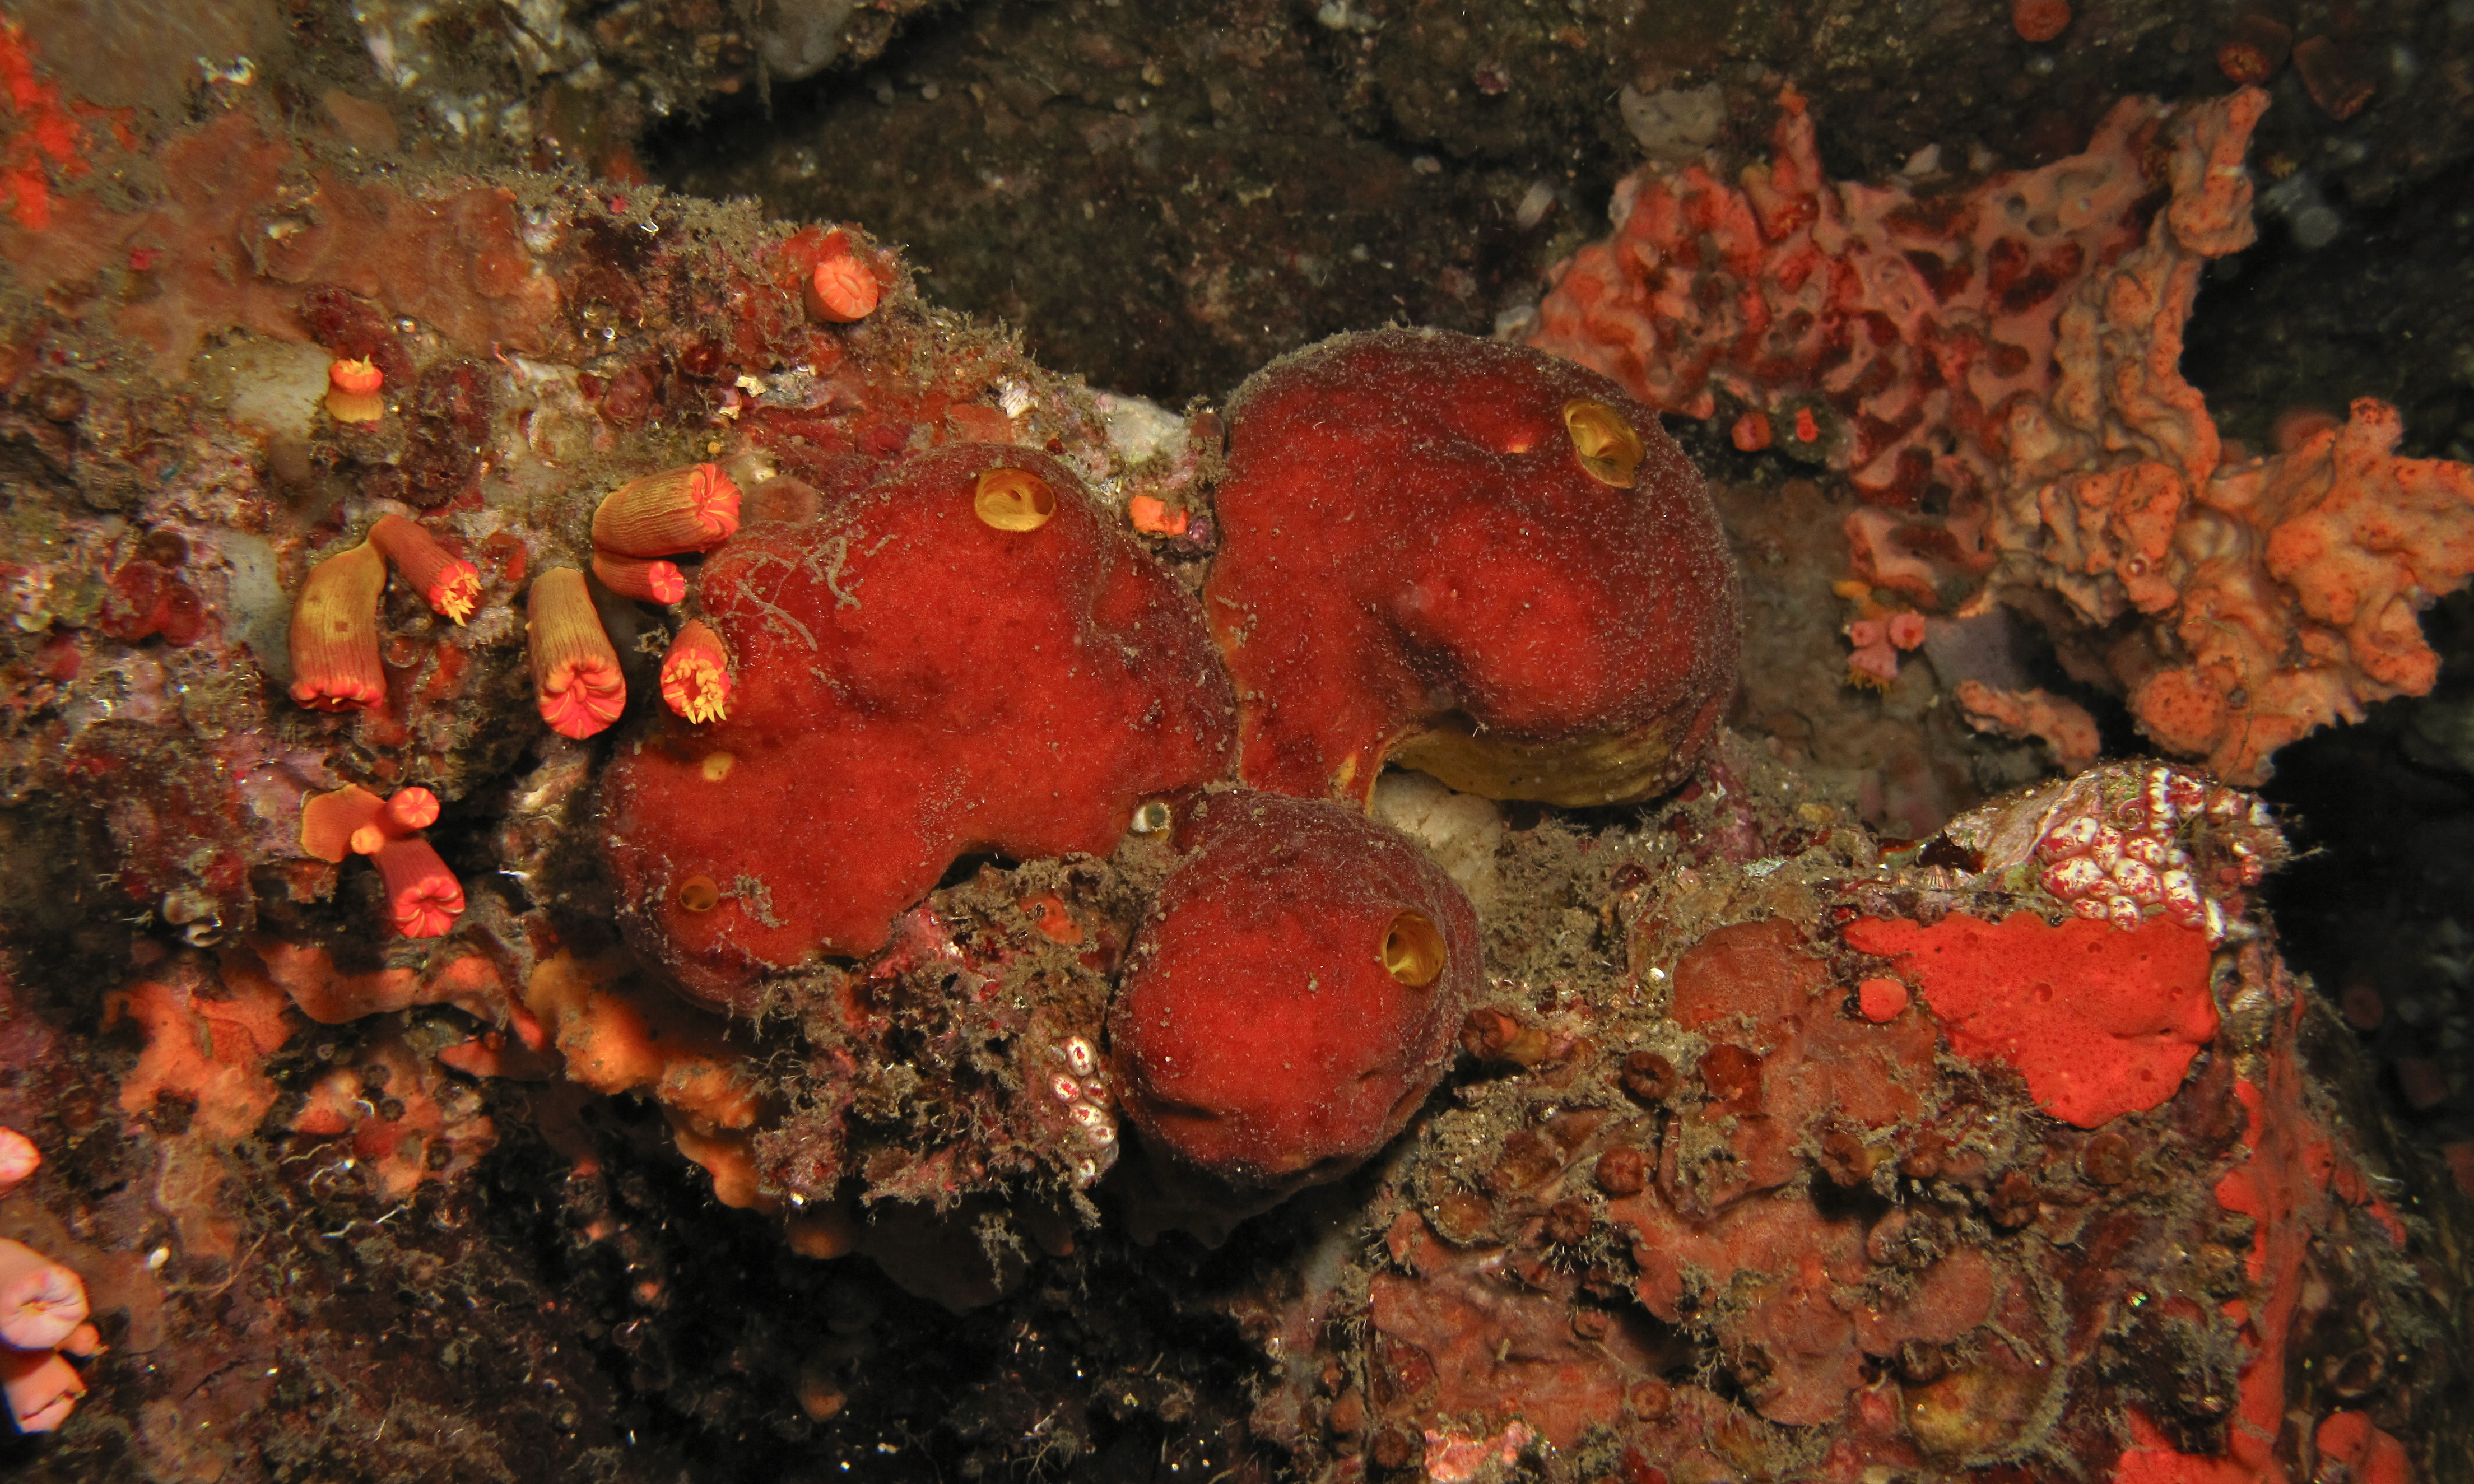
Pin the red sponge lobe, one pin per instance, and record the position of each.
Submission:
(1294, 993)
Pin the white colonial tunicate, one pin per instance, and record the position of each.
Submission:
(1461, 831)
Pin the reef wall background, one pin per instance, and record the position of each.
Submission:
(1702, 1197)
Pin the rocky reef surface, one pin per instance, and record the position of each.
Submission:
(826, 997)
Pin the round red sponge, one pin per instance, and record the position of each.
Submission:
(1469, 558)
(1293, 994)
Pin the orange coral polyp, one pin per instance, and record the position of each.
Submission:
(695, 674)
(352, 392)
(415, 808)
(41, 1302)
(647, 580)
(335, 633)
(331, 823)
(692, 509)
(842, 290)
(574, 669)
(352, 820)
(41, 1388)
(19, 1160)
(450, 585)
(424, 897)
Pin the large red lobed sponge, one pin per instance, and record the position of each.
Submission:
(1293, 994)
(967, 656)
(2100, 1021)
(1469, 558)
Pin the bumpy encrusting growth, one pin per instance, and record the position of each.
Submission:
(1470, 559)
(878, 729)
(1293, 994)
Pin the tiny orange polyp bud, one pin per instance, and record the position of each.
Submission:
(695, 675)
(330, 823)
(645, 579)
(1608, 447)
(574, 669)
(1013, 500)
(335, 633)
(1155, 515)
(352, 392)
(450, 585)
(692, 509)
(842, 289)
(422, 895)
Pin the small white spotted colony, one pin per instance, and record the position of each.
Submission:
(2122, 853)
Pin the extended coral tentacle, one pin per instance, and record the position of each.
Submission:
(695, 674)
(335, 633)
(352, 392)
(574, 667)
(450, 585)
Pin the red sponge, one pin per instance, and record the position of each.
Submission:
(2100, 1021)
(970, 655)
(1472, 559)
(1294, 993)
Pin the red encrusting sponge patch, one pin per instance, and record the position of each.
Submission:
(2101, 1021)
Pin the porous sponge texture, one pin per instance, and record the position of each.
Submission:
(2100, 1022)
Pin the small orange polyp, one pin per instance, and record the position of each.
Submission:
(415, 808)
(695, 674)
(1156, 517)
(1881, 999)
(450, 585)
(692, 509)
(842, 290)
(424, 897)
(645, 579)
(352, 392)
(574, 669)
(335, 633)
